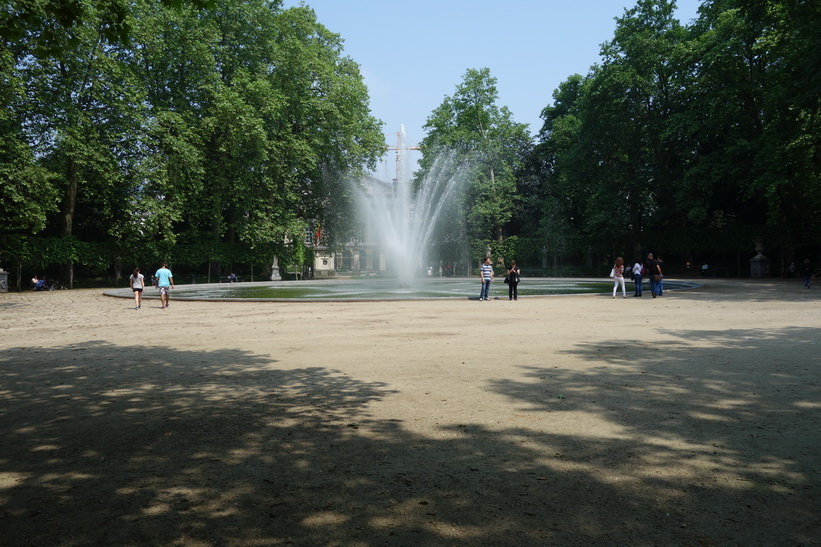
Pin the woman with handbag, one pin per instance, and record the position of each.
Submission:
(513, 281)
(654, 274)
(618, 277)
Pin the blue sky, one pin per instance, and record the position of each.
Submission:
(413, 53)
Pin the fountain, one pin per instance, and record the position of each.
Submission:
(403, 219)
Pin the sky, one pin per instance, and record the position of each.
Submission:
(414, 53)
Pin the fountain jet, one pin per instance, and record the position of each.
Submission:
(403, 219)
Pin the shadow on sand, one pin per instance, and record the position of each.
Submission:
(160, 446)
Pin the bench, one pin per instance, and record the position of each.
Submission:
(224, 279)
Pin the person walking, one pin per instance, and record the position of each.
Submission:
(165, 282)
(137, 281)
(806, 272)
(618, 278)
(486, 276)
(654, 272)
(513, 274)
(638, 267)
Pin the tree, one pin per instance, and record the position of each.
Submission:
(613, 147)
(79, 123)
(276, 117)
(230, 126)
(471, 125)
(325, 134)
(27, 192)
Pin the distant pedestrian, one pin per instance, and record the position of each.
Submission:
(513, 274)
(486, 276)
(660, 288)
(618, 277)
(165, 282)
(653, 272)
(806, 272)
(638, 275)
(137, 281)
(791, 270)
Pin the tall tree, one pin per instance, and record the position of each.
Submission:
(613, 144)
(471, 125)
(82, 119)
(324, 133)
(27, 192)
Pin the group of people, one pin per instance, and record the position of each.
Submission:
(38, 284)
(163, 279)
(512, 280)
(649, 268)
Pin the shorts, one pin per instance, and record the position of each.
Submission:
(137, 289)
(163, 290)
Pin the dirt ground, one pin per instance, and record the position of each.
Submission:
(689, 419)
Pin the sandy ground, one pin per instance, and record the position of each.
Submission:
(690, 419)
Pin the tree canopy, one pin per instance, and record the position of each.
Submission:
(214, 131)
(223, 127)
(692, 140)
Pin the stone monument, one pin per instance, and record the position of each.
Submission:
(275, 275)
(759, 264)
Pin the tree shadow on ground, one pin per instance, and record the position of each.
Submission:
(720, 431)
(107, 444)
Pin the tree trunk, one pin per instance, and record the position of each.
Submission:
(214, 265)
(69, 204)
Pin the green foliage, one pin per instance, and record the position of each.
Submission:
(692, 139)
(488, 145)
(212, 131)
(42, 252)
(201, 130)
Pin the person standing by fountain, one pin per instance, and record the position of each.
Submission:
(618, 277)
(654, 273)
(486, 276)
(513, 274)
(638, 268)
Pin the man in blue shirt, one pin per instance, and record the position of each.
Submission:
(165, 281)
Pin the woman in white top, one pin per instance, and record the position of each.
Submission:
(618, 268)
(637, 277)
(137, 281)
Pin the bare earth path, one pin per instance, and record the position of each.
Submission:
(690, 419)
